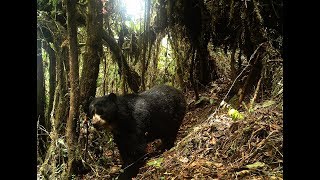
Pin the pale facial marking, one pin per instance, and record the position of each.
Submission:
(96, 119)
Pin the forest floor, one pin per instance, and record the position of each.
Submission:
(216, 146)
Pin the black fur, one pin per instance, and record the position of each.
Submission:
(136, 119)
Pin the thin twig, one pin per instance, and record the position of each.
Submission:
(42, 128)
(136, 161)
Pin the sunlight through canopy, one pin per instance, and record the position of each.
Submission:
(134, 8)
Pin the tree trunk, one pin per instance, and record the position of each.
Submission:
(145, 44)
(205, 67)
(61, 111)
(92, 57)
(40, 100)
(233, 62)
(52, 79)
(123, 78)
(191, 74)
(71, 134)
(179, 60)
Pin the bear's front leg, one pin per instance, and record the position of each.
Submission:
(133, 154)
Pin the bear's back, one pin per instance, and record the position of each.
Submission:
(163, 107)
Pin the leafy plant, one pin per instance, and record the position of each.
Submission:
(235, 115)
(156, 163)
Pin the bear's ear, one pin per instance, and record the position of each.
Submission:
(112, 97)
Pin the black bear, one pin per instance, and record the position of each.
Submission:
(136, 119)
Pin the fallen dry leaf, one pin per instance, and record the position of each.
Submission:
(213, 140)
(184, 159)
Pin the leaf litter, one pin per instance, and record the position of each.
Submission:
(221, 148)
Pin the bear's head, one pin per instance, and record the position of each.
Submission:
(103, 112)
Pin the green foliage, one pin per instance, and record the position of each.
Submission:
(64, 150)
(54, 3)
(156, 163)
(111, 77)
(235, 115)
(166, 63)
(135, 27)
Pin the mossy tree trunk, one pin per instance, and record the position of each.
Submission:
(61, 94)
(93, 54)
(52, 78)
(71, 134)
(191, 74)
(123, 76)
(179, 60)
(145, 44)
